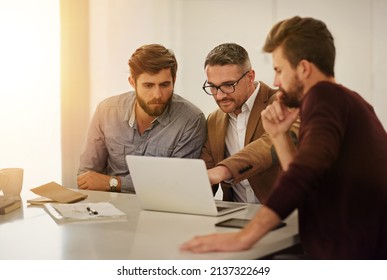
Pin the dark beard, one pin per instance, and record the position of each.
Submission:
(291, 98)
(156, 111)
(290, 101)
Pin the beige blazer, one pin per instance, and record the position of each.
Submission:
(257, 161)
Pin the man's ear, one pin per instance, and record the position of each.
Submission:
(251, 76)
(304, 69)
(132, 82)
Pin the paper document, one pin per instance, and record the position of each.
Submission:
(83, 211)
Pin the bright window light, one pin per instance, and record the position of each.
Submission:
(30, 89)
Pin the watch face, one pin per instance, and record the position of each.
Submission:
(113, 182)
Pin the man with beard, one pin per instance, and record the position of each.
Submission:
(336, 177)
(149, 121)
(238, 153)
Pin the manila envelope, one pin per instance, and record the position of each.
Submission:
(53, 192)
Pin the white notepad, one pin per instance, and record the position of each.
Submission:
(83, 211)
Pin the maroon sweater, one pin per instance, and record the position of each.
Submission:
(338, 178)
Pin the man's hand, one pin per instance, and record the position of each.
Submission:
(277, 118)
(262, 223)
(92, 180)
(218, 174)
(224, 242)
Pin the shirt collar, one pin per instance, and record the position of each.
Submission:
(250, 102)
(248, 105)
(132, 117)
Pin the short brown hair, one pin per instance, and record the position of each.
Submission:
(304, 38)
(152, 59)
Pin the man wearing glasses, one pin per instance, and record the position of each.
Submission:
(238, 153)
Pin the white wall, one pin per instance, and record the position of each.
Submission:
(379, 59)
(30, 89)
(193, 27)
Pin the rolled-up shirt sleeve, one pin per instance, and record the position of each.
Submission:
(95, 154)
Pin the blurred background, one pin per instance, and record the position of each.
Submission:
(59, 59)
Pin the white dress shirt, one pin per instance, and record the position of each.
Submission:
(235, 141)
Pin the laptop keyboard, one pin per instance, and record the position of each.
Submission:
(220, 208)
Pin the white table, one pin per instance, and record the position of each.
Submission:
(31, 233)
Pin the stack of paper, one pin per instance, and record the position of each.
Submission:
(84, 211)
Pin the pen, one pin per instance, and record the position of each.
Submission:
(91, 211)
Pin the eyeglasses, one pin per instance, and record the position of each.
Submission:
(225, 88)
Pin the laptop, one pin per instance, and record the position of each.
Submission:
(179, 185)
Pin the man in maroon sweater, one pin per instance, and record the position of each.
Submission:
(337, 175)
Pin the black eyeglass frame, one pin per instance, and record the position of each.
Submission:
(234, 84)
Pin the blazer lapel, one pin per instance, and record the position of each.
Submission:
(221, 125)
(260, 103)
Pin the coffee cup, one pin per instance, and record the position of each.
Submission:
(11, 181)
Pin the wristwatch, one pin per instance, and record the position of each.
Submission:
(113, 183)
